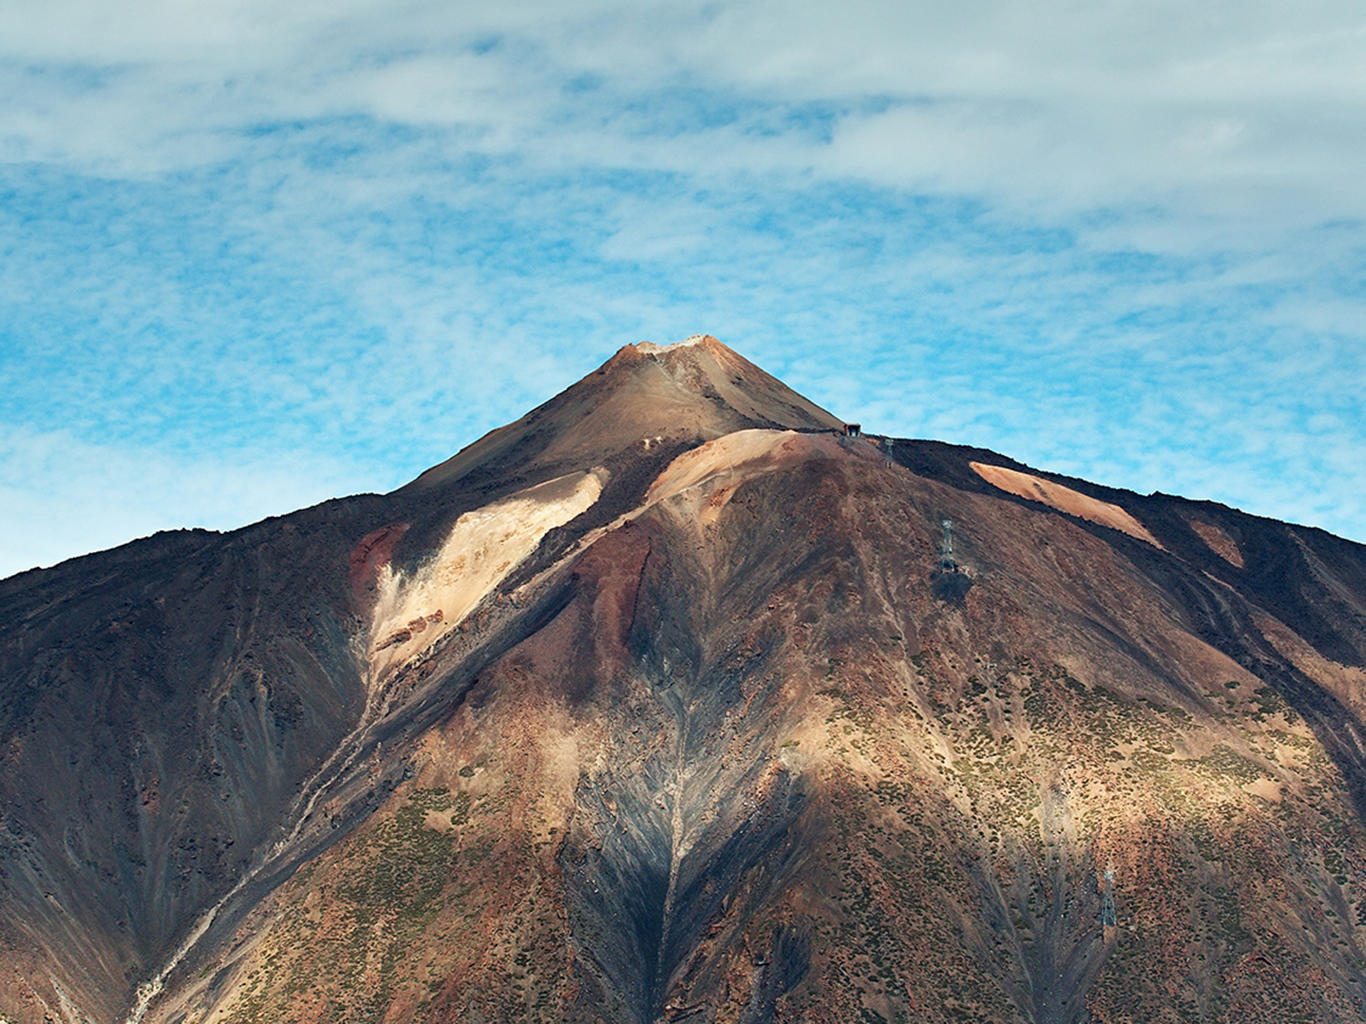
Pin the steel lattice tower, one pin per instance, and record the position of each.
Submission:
(1107, 905)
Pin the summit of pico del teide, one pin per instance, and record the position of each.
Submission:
(680, 699)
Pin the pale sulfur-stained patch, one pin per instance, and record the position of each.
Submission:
(412, 613)
(1064, 499)
(650, 348)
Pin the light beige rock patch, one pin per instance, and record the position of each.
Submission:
(1064, 499)
(1345, 682)
(707, 476)
(1219, 542)
(560, 764)
(484, 545)
(1265, 788)
(438, 821)
(734, 456)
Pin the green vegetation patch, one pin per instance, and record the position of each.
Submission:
(397, 878)
(1225, 761)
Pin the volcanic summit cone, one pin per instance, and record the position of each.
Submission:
(671, 701)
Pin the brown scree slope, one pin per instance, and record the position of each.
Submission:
(655, 706)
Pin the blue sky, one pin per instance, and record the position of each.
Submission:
(250, 259)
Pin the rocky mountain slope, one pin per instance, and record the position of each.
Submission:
(661, 704)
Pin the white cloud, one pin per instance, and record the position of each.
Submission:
(1218, 107)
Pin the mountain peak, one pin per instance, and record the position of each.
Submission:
(695, 341)
(663, 704)
(684, 393)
